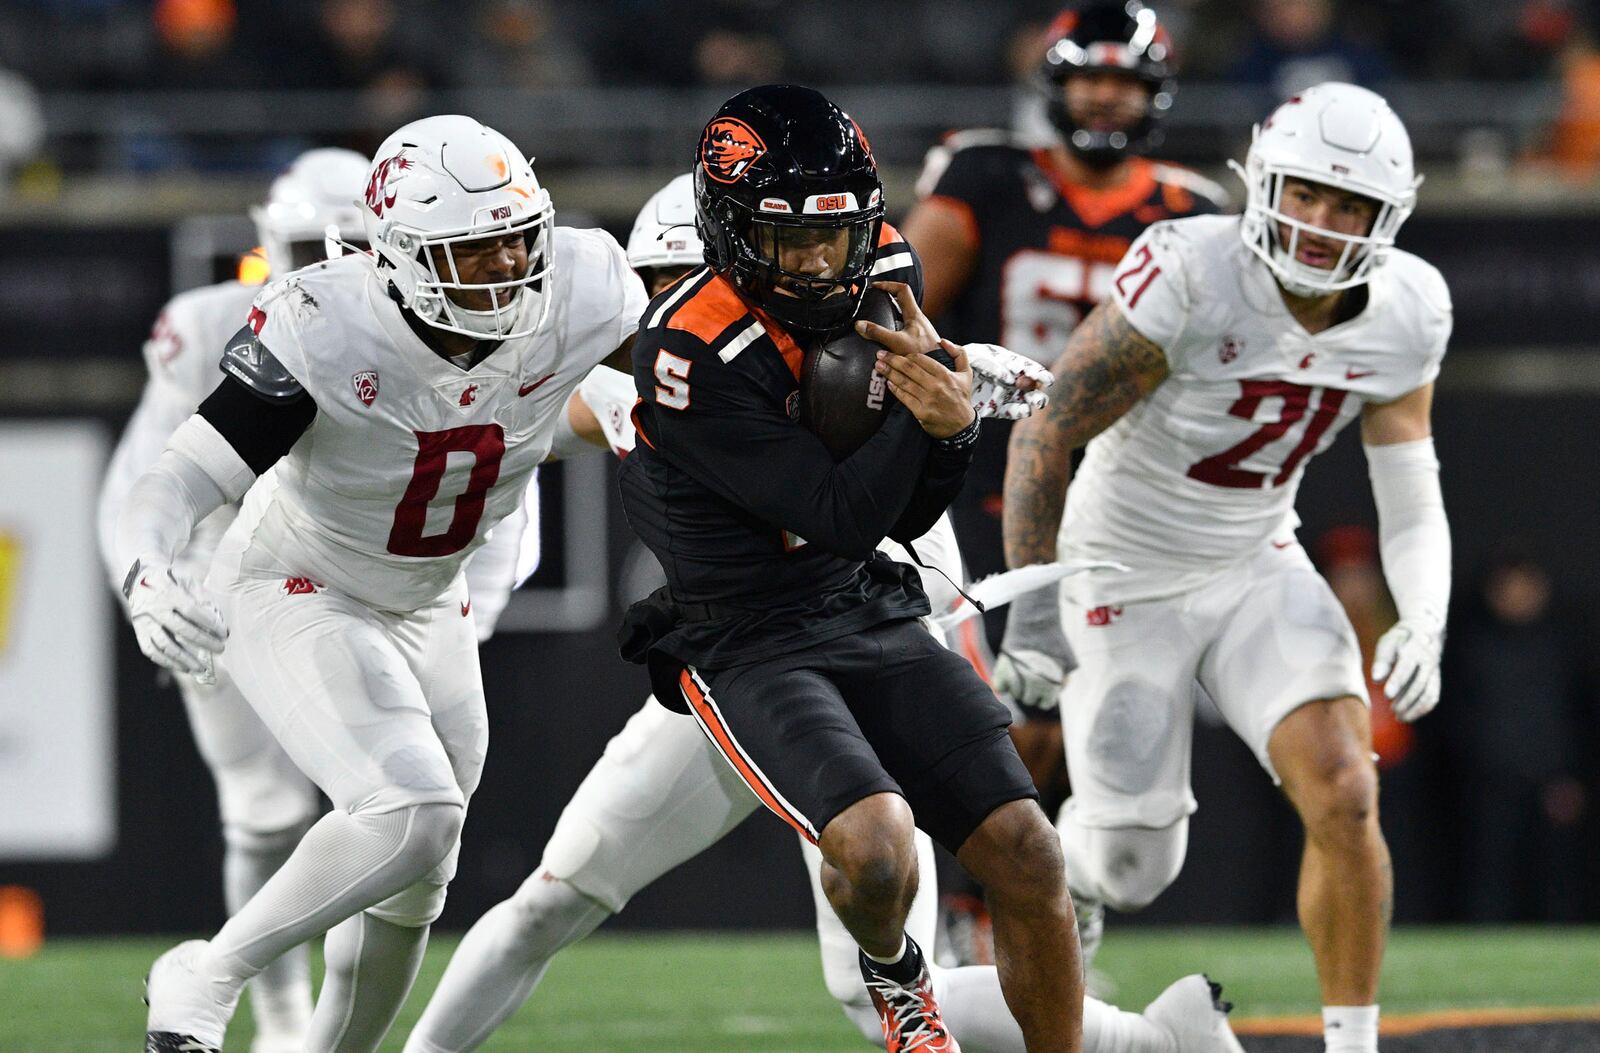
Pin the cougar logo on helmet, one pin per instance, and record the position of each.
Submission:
(379, 197)
(729, 149)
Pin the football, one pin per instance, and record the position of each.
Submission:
(842, 400)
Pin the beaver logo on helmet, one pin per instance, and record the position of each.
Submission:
(729, 149)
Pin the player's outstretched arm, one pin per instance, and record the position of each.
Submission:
(1106, 368)
(1414, 541)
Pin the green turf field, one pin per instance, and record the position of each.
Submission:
(736, 994)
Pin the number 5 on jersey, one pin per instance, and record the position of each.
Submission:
(672, 381)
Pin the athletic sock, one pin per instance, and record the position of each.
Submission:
(346, 863)
(500, 961)
(1350, 1028)
(280, 995)
(903, 968)
(372, 964)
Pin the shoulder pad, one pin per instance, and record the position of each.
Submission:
(971, 137)
(940, 155)
(1195, 183)
(247, 360)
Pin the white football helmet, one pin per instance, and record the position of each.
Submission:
(663, 234)
(311, 209)
(1338, 135)
(445, 180)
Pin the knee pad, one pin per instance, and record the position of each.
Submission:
(422, 838)
(547, 914)
(412, 908)
(1125, 868)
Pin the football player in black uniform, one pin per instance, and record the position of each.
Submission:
(1019, 243)
(794, 645)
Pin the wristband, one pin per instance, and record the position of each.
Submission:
(962, 440)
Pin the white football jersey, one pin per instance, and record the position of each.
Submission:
(181, 357)
(410, 459)
(1203, 471)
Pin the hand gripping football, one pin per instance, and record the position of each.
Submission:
(842, 400)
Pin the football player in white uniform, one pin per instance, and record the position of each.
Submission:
(404, 397)
(660, 795)
(1232, 350)
(266, 803)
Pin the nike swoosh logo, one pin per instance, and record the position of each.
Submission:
(1282, 544)
(527, 389)
(1357, 374)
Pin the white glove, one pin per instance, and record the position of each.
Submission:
(995, 372)
(1406, 662)
(1034, 656)
(177, 629)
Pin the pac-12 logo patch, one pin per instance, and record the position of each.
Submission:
(366, 385)
(729, 148)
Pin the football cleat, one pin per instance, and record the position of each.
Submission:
(1191, 1010)
(170, 1042)
(908, 1013)
(185, 1015)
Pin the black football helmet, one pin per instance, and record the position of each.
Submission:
(789, 205)
(1116, 35)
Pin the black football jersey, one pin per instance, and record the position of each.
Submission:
(1047, 249)
(762, 536)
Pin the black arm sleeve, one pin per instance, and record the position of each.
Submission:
(258, 429)
(942, 475)
(941, 481)
(755, 457)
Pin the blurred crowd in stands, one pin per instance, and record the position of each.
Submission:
(393, 52)
(114, 45)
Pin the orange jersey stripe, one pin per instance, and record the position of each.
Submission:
(709, 312)
(724, 743)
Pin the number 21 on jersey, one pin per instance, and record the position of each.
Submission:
(1223, 469)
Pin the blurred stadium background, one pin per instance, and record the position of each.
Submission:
(133, 136)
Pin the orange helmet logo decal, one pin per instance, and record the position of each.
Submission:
(729, 148)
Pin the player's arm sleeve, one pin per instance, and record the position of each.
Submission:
(942, 475)
(163, 406)
(197, 473)
(1151, 287)
(1413, 530)
(729, 439)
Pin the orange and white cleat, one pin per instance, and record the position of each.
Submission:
(907, 1011)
